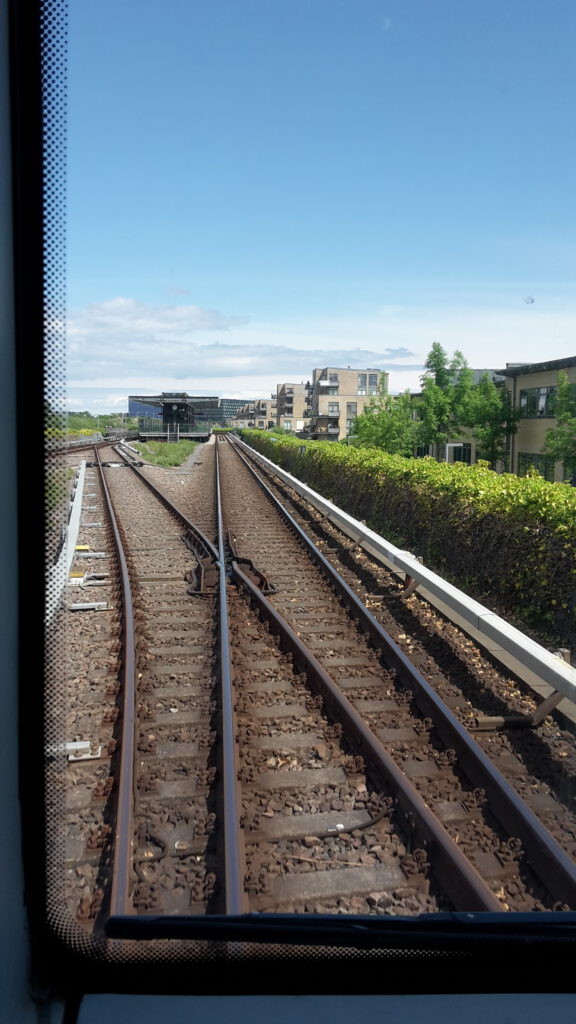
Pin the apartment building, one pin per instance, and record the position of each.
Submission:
(532, 388)
(259, 413)
(290, 406)
(265, 413)
(336, 396)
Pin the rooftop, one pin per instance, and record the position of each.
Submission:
(518, 370)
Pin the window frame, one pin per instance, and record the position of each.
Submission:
(538, 403)
(545, 464)
(418, 959)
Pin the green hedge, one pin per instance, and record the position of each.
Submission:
(509, 542)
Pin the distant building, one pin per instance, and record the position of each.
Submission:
(291, 400)
(259, 413)
(494, 375)
(265, 413)
(230, 406)
(532, 388)
(177, 412)
(337, 396)
(174, 414)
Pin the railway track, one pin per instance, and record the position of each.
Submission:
(273, 748)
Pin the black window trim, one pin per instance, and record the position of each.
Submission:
(451, 952)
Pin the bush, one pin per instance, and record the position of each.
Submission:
(505, 540)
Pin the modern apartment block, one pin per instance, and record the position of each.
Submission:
(265, 413)
(259, 413)
(290, 407)
(337, 396)
(533, 388)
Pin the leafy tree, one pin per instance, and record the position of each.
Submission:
(446, 394)
(388, 423)
(561, 440)
(491, 419)
(434, 412)
(438, 366)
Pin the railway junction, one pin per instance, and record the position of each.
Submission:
(264, 714)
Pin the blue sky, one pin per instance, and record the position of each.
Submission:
(258, 187)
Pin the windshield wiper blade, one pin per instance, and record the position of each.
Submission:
(340, 929)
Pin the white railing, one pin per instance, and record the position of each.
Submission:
(494, 631)
(57, 576)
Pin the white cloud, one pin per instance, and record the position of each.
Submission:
(143, 348)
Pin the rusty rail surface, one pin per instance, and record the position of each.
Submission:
(547, 858)
(202, 540)
(235, 899)
(460, 879)
(124, 832)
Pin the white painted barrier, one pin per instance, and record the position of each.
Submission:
(57, 576)
(492, 628)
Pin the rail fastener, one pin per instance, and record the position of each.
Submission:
(91, 606)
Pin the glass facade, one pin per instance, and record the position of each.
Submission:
(536, 402)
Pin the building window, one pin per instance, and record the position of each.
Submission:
(537, 402)
(422, 450)
(351, 414)
(287, 424)
(333, 409)
(544, 464)
(569, 468)
(333, 378)
(372, 383)
(361, 383)
(463, 453)
(261, 424)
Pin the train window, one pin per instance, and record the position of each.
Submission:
(207, 796)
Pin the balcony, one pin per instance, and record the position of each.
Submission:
(324, 433)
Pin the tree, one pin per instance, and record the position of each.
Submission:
(491, 419)
(437, 366)
(561, 440)
(389, 423)
(446, 396)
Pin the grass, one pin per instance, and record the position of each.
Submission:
(161, 453)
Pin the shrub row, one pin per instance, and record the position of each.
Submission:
(509, 542)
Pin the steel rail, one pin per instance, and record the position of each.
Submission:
(495, 633)
(202, 539)
(124, 831)
(460, 879)
(235, 895)
(546, 856)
